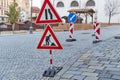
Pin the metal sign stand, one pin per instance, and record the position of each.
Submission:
(48, 15)
(52, 70)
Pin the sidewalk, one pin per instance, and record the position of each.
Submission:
(102, 62)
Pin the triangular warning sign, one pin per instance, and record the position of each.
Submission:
(49, 40)
(48, 14)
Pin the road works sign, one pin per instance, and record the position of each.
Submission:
(48, 14)
(49, 40)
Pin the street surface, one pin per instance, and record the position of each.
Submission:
(20, 60)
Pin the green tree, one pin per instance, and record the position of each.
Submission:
(13, 14)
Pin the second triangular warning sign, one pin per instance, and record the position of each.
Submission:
(49, 40)
(48, 14)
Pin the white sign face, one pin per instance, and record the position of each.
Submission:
(49, 40)
(48, 14)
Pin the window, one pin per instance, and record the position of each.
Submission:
(74, 4)
(60, 4)
(1, 12)
(90, 3)
(0, 18)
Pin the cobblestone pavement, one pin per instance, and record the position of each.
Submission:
(20, 60)
(102, 62)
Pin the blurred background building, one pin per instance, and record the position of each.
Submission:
(23, 6)
(62, 7)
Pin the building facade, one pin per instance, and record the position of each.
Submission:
(24, 8)
(62, 6)
(23, 5)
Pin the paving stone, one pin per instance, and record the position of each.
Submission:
(95, 64)
(74, 69)
(97, 67)
(86, 70)
(67, 76)
(105, 79)
(114, 72)
(89, 74)
(78, 77)
(64, 79)
(103, 59)
(94, 61)
(118, 66)
(105, 75)
(101, 71)
(98, 54)
(113, 69)
(76, 64)
(115, 63)
(105, 62)
(83, 59)
(73, 72)
(91, 78)
(114, 60)
(109, 65)
(117, 77)
(85, 55)
(83, 66)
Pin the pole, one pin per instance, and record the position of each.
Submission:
(51, 61)
(96, 30)
(79, 4)
(31, 28)
(0, 30)
(71, 30)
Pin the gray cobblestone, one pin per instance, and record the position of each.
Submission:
(65, 79)
(83, 66)
(105, 62)
(117, 77)
(91, 78)
(118, 66)
(67, 76)
(78, 77)
(114, 72)
(105, 75)
(76, 64)
(97, 67)
(86, 70)
(106, 79)
(113, 69)
(110, 65)
(74, 69)
(89, 74)
(73, 72)
(101, 71)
